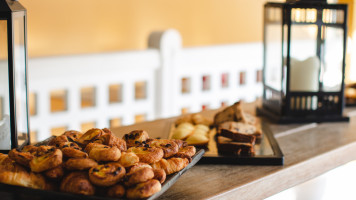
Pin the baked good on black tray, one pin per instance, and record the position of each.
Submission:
(230, 147)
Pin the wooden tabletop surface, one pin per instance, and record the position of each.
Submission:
(309, 150)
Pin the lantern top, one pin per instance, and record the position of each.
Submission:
(10, 6)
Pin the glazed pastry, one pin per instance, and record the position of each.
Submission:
(80, 163)
(55, 173)
(200, 119)
(58, 140)
(143, 190)
(171, 165)
(72, 150)
(116, 191)
(139, 166)
(183, 131)
(188, 151)
(136, 137)
(169, 147)
(128, 159)
(105, 153)
(30, 148)
(90, 146)
(77, 183)
(180, 143)
(47, 161)
(139, 176)
(42, 150)
(160, 175)
(90, 136)
(73, 135)
(147, 154)
(22, 158)
(111, 140)
(106, 175)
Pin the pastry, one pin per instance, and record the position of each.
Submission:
(30, 148)
(80, 163)
(143, 190)
(111, 140)
(200, 119)
(73, 135)
(77, 183)
(58, 140)
(171, 165)
(169, 147)
(22, 158)
(135, 137)
(160, 175)
(72, 150)
(55, 173)
(42, 150)
(90, 146)
(147, 154)
(180, 143)
(105, 153)
(116, 191)
(128, 159)
(231, 113)
(107, 174)
(183, 131)
(239, 132)
(90, 136)
(48, 160)
(139, 166)
(185, 152)
(139, 176)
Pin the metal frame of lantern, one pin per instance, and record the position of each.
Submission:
(280, 105)
(10, 11)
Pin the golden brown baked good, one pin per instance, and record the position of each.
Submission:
(73, 135)
(143, 190)
(116, 191)
(200, 136)
(42, 150)
(80, 163)
(139, 166)
(231, 113)
(72, 150)
(160, 175)
(107, 174)
(171, 165)
(183, 131)
(30, 148)
(240, 132)
(169, 147)
(58, 140)
(90, 136)
(128, 159)
(188, 151)
(105, 153)
(180, 143)
(111, 140)
(139, 176)
(77, 183)
(22, 158)
(47, 161)
(90, 146)
(147, 154)
(55, 173)
(136, 137)
(200, 119)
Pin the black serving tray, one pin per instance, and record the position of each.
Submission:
(12, 192)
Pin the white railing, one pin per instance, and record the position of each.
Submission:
(162, 67)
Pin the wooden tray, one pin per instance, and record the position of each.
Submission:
(11, 192)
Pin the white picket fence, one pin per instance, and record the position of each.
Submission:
(163, 67)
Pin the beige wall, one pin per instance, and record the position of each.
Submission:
(57, 27)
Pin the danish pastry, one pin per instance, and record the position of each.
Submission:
(106, 175)
(72, 150)
(77, 183)
(188, 151)
(30, 148)
(47, 161)
(90, 146)
(105, 153)
(42, 150)
(111, 140)
(90, 136)
(160, 175)
(22, 158)
(147, 154)
(73, 135)
(180, 143)
(143, 190)
(139, 166)
(80, 163)
(58, 140)
(55, 173)
(135, 137)
(139, 176)
(128, 159)
(169, 147)
(116, 191)
(171, 165)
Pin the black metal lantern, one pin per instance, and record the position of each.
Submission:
(304, 61)
(14, 127)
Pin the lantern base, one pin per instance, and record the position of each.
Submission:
(303, 119)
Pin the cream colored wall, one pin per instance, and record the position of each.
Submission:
(86, 26)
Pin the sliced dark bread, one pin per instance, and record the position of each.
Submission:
(228, 146)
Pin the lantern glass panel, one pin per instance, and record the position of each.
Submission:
(20, 78)
(333, 59)
(5, 129)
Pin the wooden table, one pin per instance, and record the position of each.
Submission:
(309, 149)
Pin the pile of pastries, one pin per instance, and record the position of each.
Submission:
(97, 163)
(194, 129)
(237, 131)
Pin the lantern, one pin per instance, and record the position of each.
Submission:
(304, 61)
(14, 129)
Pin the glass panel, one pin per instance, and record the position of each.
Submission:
(20, 79)
(304, 63)
(308, 15)
(273, 50)
(87, 97)
(5, 130)
(32, 103)
(333, 57)
(333, 16)
(115, 93)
